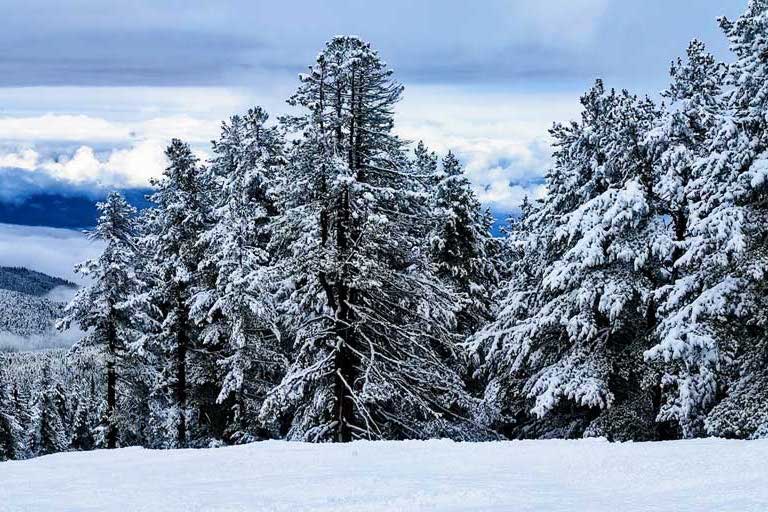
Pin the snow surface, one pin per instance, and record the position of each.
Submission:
(586, 475)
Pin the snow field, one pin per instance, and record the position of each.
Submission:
(706, 475)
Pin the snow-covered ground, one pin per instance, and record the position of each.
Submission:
(590, 475)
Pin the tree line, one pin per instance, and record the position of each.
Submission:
(319, 280)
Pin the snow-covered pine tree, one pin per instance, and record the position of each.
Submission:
(714, 327)
(425, 163)
(239, 308)
(681, 139)
(171, 237)
(22, 408)
(48, 434)
(569, 331)
(85, 423)
(99, 308)
(373, 353)
(11, 445)
(461, 245)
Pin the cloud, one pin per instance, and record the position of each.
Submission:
(61, 127)
(501, 138)
(73, 128)
(25, 159)
(248, 41)
(51, 251)
(68, 149)
(83, 170)
(54, 339)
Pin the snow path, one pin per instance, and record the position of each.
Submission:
(704, 475)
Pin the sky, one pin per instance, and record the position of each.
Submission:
(92, 91)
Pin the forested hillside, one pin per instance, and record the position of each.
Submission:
(29, 282)
(26, 315)
(320, 279)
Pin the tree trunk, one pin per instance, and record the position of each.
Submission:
(344, 363)
(182, 342)
(111, 388)
(681, 228)
(111, 405)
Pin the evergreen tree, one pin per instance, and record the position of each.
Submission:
(373, 356)
(85, 423)
(239, 308)
(682, 138)
(568, 333)
(100, 307)
(713, 334)
(48, 434)
(11, 445)
(172, 233)
(461, 245)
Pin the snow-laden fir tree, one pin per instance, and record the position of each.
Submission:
(239, 308)
(424, 161)
(714, 329)
(460, 243)
(373, 354)
(567, 331)
(11, 444)
(171, 238)
(47, 429)
(425, 164)
(100, 307)
(85, 422)
(681, 139)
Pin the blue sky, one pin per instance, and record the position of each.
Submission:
(90, 92)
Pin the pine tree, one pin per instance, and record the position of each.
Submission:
(84, 424)
(373, 353)
(461, 245)
(682, 138)
(714, 331)
(11, 446)
(172, 234)
(100, 307)
(238, 307)
(567, 334)
(48, 434)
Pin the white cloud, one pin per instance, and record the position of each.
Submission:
(62, 128)
(82, 128)
(51, 251)
(136, 165)
(502, 138)
(125, 104)
(25, 159)
(83, 166)
(563, 22)
(129, 166)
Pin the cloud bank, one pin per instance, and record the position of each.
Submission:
(500, 137)
(52, 251)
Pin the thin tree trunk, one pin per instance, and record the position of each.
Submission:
(111, 388)
(344, 363)
(182, 341)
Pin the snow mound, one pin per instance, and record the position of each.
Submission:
(550, 476)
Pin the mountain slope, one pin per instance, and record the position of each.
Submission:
(30, 304)
(27, 315)
(30, 282)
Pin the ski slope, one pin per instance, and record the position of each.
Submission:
(588, 475)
